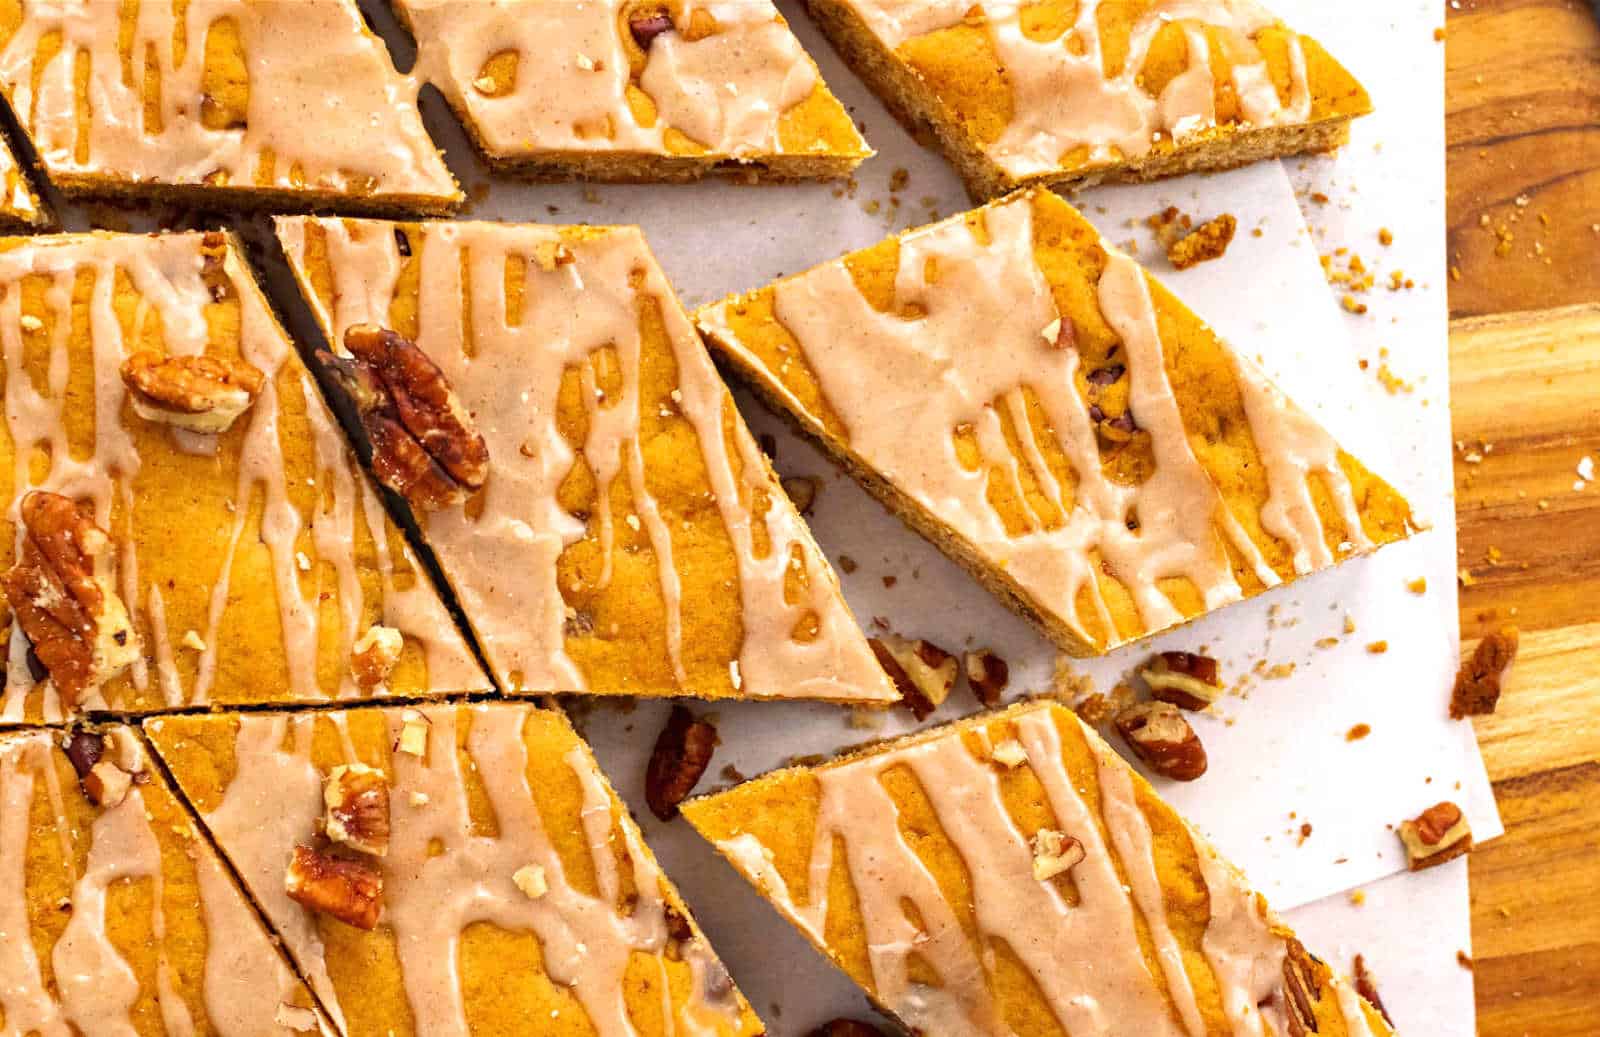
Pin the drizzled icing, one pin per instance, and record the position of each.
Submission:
(442, 874)
(169, 275)
(326, 110)
(244, 978)
(501, 559)
(962, 350)
(1085, 959)
(726, 92)
(1063, 100)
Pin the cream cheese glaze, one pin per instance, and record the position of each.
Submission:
(170, 275)
(500, 553)
(1084, 958)
(444, 873)
(962, 350)
(1062, 99)
(244, 979)
(327, 112)
(726, 91)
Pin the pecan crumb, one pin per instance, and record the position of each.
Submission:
(1481, 678)
(988, 675)
(682, 754)
(373, 656)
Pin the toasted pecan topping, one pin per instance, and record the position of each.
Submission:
(106, 784)
(198, 393)
(1440, 833)
(356, 802)
(84, 749)
(373, 656)
(1185, 679)
(62, 593)
(1481, 678)
(1055, 853)
(682, 754)
(988, 674)
(349, 890)
(644, 28)
(1302, 990)
(425, 445)
(1163, 739)
(922, 672)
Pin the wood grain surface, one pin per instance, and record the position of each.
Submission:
(1524, 210)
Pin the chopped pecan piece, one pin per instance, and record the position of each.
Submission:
(1186, 680)
(198, 393)
(803, 491)
(413, 733)
(1055, 853)
(84, 749)
(530, 879)
(1440, 833)
(1009, 753)
(1302, 990)
(374, 654)
(1480, 679)
(847, 1028)
(63, 594)
(1368, 988)
(644, 28)
(682, 754)
(1163, 739)
(349, 890)
(923, 673)
(106, 784)
(425, 445)
(356, 800)
(988, 674)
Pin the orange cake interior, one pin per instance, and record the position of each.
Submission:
(1012, 875)
(220, 103)
(630, 537)
(1027, 397)
(1073, 93)
(243, 564)
(635, 89)
(515, 890)
(119, 917)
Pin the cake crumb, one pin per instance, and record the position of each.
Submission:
(1358, 732)
(1482, 677)
(1378, 647)
(1418, 585)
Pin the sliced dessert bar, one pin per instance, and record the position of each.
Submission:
(606, 520)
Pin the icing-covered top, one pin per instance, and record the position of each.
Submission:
(1065, 107)
(974, 346)
(466, 815)
(252, 560)
(577, 79)
(65, 964)
(18, 203)
(1106, 958)
(629, 514)
(287, 95)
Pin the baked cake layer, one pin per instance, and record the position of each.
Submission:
(118, 916)
(630, 536)
(1074, 93)
(516, 894)
(1026, 396)
(1011, 875)
(221, 103)
(241, 564)
(635, 89)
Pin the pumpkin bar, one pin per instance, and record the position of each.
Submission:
(452, 869)
(1075, 94)
(119, 916)
(1028, 398)
(605, 519)
(221, 104)
(20, 206)
(638, 90)
(185, 522)
(1010, 874)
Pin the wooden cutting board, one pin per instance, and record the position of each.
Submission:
(1523, 92)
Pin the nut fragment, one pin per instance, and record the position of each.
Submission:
(1186, 680)
(530, 879)
(682, 754)
(374, 654)
(1481, 678)
(550, 254)
(413, 733)
(1302, 990)
(988, 674)
(1054, 853)
(923, 673)
(1368, 988)
(425, 445)
(349, 890)
(847, 1028)
(63, 595)
(1440, 833)
(645, 28)
(1009, 753)
(1163, 739)
(106, 784)
(803, 491)
(198, 393)
(84, 749)
(356, 800)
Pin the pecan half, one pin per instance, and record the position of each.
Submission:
(1480, 679)
(1186, 680)
(1302, 990)
(373, 656)
(988, 675)
(63, 594)
(425, 445)
(1440, 833)
(682, 754)
(349, 890)
(923, 673)
(847, 1028)
(1055, 853)
(197, 393)
(1163, 739)
(356, 801)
